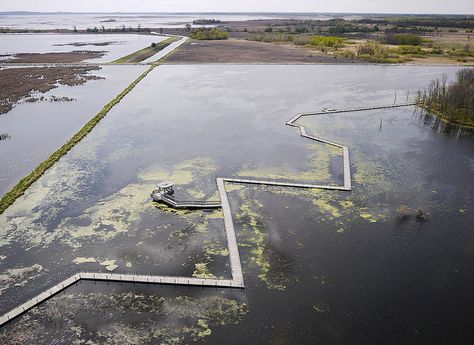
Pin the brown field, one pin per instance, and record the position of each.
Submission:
(241, 51)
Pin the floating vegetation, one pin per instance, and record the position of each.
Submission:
(319, 167)
(404, 213)
(275, 269)
(162, 320)
(421, 215)
(202, 271)
(18, 276)
(80, 260)
(109, 265)
(109, 217)
(49, 99)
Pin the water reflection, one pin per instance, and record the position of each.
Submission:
(442, 126)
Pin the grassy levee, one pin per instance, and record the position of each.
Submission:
(17, 191)
(145, 53)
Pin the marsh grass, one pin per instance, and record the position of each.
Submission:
(147, 52)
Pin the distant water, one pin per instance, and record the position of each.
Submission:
(53, 21)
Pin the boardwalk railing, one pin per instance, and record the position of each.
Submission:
(171, 201)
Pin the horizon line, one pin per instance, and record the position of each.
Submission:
(234, 12)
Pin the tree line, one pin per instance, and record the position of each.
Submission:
(453, 101)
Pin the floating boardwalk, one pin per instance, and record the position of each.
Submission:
(237, 280)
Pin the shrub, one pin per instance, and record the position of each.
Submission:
(209, 34)
(300, 39)
(437, 50)
(272, 38)
(375, 52)
(348, 54)
(372, 48)
(403, 212)
(327, 41)
(414, 50)
(421, 215)
(404, 39)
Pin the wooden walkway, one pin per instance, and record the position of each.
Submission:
(172, 202)
(237, 280)
(127, 278)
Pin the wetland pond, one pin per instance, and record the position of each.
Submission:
(114, 46)
(39, 126)
(320, 267)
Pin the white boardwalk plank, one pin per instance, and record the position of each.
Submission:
(234, 256)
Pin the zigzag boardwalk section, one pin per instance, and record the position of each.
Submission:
(237, 280)
(127, 278)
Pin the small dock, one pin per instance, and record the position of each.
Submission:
(164, 193)
(172, 202)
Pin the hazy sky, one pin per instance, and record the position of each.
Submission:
(385, 6)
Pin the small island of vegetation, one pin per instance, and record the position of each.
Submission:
(453, 102)
(206, 21)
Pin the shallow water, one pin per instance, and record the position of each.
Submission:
(122, 44)
(154, 20)
(320, 266)
(37, 129)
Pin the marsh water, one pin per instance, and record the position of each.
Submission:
(320, 267)
(114, 46)
(52, 21)
(38, 129)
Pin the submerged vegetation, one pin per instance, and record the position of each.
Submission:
(209, 34)
(453, 102)
(170, 320)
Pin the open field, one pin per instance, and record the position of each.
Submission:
(440, 45)
(242, 51)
